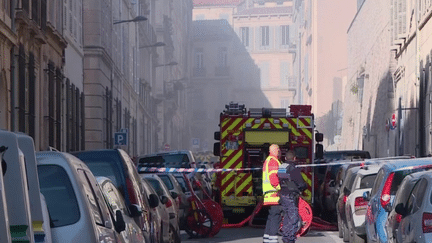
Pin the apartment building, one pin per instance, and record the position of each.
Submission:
(265, 29)
(222, 70)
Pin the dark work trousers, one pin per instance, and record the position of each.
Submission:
(273, 224)
(291, 217)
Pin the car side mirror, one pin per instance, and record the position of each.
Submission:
(135, 210)
(400, 209)
(174, 195)
(366, 195)
(119, 224)
(164, 199)
(153, 200)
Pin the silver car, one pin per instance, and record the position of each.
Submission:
(416, 213)
(171, 206)
(75, 203)
(119, 212)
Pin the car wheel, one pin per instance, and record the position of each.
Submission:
(172, 235)
(345, 233)
(356, 239)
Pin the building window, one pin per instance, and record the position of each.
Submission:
(223, 56)
(284, 73)
(244, 34)
(265, 35)
(285, 35)
(199, 58)
(264, 74)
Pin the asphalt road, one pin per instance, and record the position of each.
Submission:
(254, 235)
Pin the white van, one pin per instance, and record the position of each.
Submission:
(76, 205)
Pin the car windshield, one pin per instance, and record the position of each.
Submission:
(182, 183)
(156, 186)
(167, 181)
(367, 181)
(166, 160)
(59, 195)
(102, 164)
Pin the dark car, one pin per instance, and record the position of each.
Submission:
(116, 165)
(325, 179)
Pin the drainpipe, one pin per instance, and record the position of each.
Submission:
(12, 85)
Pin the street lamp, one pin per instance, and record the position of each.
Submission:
(157, 44)
(136, 19)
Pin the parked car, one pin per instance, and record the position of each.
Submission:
(168, 199)
(401, 197)
(174, 186)
(116, 165)
(382, 194)
(325, 190)
(75, 203)
(416, 213)
(168, 159)
(159, 216)
(356, 205)
(118, 210)
(340, 203)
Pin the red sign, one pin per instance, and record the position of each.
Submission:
(167, 147)
(393, 120)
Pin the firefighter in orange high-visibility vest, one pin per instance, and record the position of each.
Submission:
(271, 189)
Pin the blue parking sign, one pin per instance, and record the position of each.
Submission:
(120, 138)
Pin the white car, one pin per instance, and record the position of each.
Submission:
(356, 205)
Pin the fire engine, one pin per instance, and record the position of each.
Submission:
(244, 140)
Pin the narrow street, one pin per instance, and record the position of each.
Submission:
(254, 235)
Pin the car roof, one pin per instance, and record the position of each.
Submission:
(400, 163)
(165, 153)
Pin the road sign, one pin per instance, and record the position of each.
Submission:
(167, 147)
(195, 142)
(393, 122)
(120, 138)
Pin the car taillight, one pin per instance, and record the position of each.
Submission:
(427, 222)
(398, 218)
(169, 203)
(345, 198)
(385, 195)
(360, 203)
(132, 195)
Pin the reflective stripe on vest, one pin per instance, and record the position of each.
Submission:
(269, 192)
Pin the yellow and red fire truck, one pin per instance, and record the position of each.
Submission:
(245, 137)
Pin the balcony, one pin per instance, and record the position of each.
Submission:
(222, 71)
(199, 72)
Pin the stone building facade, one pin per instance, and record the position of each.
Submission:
(388, 90)
(265, 29)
